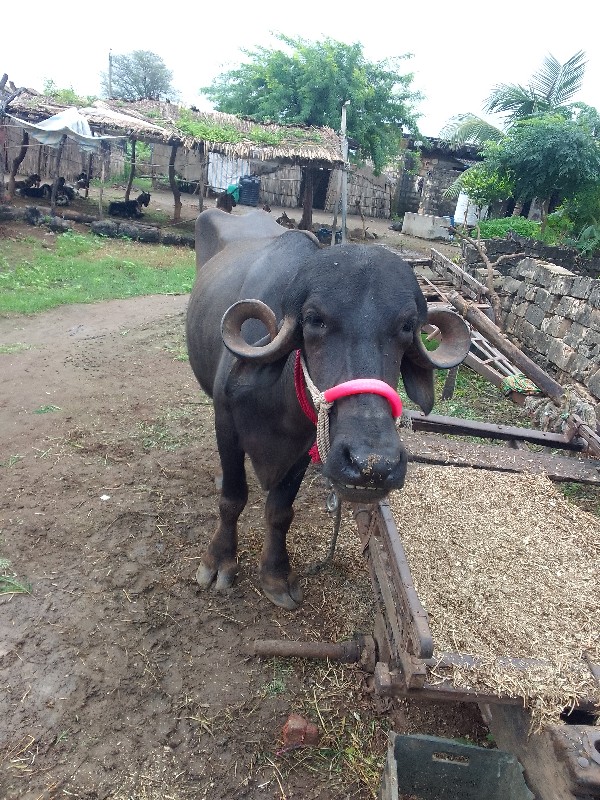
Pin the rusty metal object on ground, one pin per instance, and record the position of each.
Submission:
(360, 650)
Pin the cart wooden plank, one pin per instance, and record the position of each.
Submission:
(431, 448)
(435, 423)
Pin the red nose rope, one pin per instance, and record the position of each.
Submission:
(324, 400)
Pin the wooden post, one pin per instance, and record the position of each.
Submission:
(59, 153)
(16, 164)
(173, 184)
(307, 202)
(338, 193)
(89, 175)
(493, 334)
(132, 169)
(201, 181)
(102, 176)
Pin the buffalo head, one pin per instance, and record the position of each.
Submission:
(354, 311)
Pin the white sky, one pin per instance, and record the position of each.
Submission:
(461, 51)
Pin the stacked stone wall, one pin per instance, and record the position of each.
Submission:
(553, 314)
(561, 256)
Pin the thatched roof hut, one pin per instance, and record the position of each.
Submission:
(303, 148)
(168, 123)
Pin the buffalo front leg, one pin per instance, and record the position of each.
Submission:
(219, 562)
(279, 583)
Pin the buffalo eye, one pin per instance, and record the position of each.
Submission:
(313, 320)
(408, 326)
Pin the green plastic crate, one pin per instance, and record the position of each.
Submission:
(431, 768)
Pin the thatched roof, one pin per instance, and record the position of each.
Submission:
(169, 123)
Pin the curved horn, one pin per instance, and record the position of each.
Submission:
(456, 338)
(281, 340)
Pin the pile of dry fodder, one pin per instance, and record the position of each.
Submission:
(505, 566)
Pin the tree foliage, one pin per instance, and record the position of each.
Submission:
(139, 75)
(544, 156)
(549, 90)
(66, 96)
(484, 186)
(308, 82)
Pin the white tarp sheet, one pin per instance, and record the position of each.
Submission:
(69, 122)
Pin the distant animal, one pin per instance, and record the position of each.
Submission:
(226, 202)
(63, 189)
(45, 190)
(333, 315)
(129, 208)
(267, 208)
(26, 183)
(82, 181)
(286, 221)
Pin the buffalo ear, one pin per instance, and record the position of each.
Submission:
(418, 382)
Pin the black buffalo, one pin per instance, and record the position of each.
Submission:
(353, 311)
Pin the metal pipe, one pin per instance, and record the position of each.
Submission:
(348, 652)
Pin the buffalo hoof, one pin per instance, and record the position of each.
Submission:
(222, 578)
(285, 594)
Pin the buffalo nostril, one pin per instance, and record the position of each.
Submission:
(372, 467)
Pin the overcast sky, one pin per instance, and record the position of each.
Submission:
(460, 51)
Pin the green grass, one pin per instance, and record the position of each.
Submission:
(474, 398)
(17, 347)
(86, 269)
(9, 584)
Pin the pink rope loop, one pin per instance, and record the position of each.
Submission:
(365, 386)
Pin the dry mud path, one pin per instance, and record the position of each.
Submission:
(118, 677)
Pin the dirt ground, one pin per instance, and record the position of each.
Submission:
(119, 678)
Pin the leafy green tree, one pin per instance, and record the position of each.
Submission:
(483, 186)
(545, 156)
(139, 75)
(308, 84)
(67, 96)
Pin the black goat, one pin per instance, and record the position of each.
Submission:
(226, 202)
(67, 191)
(28, 182)
(45, 190)
(129, 208)
(82, 181)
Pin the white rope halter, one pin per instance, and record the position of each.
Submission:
(322, 407)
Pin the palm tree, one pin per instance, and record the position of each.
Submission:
(548, 90)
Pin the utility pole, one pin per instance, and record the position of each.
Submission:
(344, 171)
(110, 74)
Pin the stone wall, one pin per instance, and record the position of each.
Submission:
(561, 256)
(553, 315)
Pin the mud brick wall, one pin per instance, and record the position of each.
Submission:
(554, 316)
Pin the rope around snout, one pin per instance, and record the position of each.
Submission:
(322, 408)
(321, 418)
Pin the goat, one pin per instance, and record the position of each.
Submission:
(27, 183)
(226, 202)
(129, 208)
(45, 190)
(267, 208)
(286, 221)
(63, 188)
(82, 181)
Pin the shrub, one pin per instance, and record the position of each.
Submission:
(498, 228)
